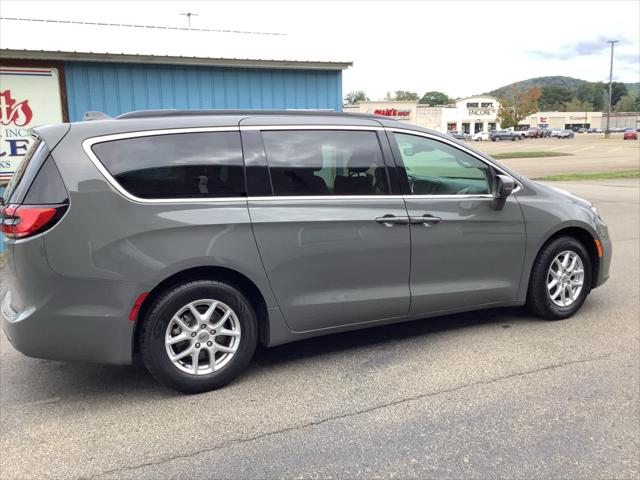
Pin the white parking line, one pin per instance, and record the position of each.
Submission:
(557, 148)
(614, 149)
(585, 148)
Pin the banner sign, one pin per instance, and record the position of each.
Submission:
(29, 97)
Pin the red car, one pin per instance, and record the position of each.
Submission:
(630, 135)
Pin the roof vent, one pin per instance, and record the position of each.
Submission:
(88, 116)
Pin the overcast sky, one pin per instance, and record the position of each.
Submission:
(461, 48)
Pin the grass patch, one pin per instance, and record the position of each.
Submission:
(539, 154)
(593, 176)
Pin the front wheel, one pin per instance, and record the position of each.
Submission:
(198, 336)
(560, 279)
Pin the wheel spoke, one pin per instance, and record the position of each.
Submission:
(563, 295)
(553, 283)
(565, 261)
(182, 354)
(206, 316)
(572, 265)
(224, 348)
(195, 313)
(182, 324)
(556, 293)
(194, 360)
(225, 332)
(178, 338)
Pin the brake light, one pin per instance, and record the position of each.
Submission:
(21, 221)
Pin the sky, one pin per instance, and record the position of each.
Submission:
(457, 47)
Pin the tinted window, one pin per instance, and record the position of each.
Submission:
(435, 168)
(325, 162)
(185, 165)
(47, 188)
(26, 171)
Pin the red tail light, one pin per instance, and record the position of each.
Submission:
(21, 221)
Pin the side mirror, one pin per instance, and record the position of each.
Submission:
(503, 187)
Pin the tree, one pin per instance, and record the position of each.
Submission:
(517, 106)
(628, 103)
(618, 90)
(355, 96)
(402, 95)
(434, 98)
(592, 94)
(555, 98)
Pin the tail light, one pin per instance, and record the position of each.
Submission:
(22, 221)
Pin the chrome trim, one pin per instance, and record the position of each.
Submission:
(89, 142)
(483, 196)
(310, 127)
(459, 147)
(325, 197)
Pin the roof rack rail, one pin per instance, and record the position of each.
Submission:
(89, 116)
(194, 113)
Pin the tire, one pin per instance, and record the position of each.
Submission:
(159, 324)
(539, 296)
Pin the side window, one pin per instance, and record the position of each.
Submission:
(436, 168)
(181, 165)
(325, 162)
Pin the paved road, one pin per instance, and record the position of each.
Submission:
(589, 153)
(482, 395)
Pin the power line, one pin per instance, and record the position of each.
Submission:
(130, 25)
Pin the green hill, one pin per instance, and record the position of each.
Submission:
(557, 81)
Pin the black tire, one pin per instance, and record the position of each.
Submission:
(538, 298)
(160, 313)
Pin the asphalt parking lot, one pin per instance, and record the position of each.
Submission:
(589, 153)
(481, 395)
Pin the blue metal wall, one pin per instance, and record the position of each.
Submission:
(115, 88)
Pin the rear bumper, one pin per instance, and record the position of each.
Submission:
(57, 317)
(75, 336)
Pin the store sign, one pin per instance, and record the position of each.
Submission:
(392, 112)
(543, 119)
(480, 108)
(29, 97)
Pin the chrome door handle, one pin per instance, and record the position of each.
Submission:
(391, 220)
(426, 220)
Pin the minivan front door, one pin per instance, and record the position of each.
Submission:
(333, 239)
(464, 252)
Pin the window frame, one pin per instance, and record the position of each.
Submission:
(90, 142)
(385, 150)
(404, 179)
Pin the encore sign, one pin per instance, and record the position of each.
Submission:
(483, 108)
(392, 112)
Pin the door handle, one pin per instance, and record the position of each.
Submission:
(426, 220)
(391, 220)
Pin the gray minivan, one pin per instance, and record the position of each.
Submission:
(190, 236)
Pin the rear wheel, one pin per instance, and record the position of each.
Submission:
(198, 336)
(560, 279)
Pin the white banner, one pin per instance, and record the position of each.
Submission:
(29, 97)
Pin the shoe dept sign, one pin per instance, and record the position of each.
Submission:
(29, 97)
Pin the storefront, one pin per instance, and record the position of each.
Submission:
(469, 115)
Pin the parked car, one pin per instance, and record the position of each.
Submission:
(534, 133)
(480, 136)
(592, 130)
(459, 135)
(630, 134)
(147, 233)
(566, 134)
(582, 130)
(504, 135)
(545, 132)
(556, 132)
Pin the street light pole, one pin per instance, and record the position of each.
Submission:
(607, 132)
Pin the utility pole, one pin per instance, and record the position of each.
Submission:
(189, 15)
(607, 132)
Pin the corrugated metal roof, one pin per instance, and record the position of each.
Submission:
(93, 41)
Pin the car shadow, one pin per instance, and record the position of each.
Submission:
(45, 381)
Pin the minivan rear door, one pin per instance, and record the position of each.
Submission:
(331, 228)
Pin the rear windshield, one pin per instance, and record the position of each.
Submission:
(26, 171)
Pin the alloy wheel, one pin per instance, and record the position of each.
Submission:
(565, 278)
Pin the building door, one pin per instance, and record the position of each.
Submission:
(333, 237)
(464, 253)
(478, 127)
(466, 127)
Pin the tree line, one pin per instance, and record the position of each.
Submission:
(589, 96)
